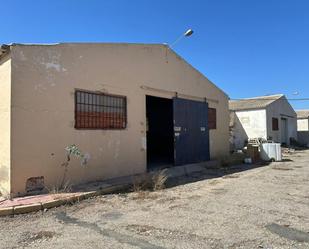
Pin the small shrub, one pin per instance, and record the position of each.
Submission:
(150, 182)
(141, 182)
(65, 188)
(159, 179)
(72, 150)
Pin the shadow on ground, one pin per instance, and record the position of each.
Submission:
(227, 172)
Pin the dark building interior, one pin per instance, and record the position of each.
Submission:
(160, 138)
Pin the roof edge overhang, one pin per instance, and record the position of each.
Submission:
(199, 72)
(247, 109)
(4, 49)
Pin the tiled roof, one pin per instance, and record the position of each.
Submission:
(253, 103)
(302, 113)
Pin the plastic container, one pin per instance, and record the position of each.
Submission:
(271, 152)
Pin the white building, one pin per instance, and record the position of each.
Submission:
(270, 117)
(302, 120)
(303, 127)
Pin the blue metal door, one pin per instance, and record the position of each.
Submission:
(191, 134)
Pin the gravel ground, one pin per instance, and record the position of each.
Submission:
(265, 207)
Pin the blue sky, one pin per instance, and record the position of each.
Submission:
(247, 48)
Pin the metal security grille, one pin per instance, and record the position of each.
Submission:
(100, 111)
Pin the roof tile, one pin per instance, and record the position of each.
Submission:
(253, 103)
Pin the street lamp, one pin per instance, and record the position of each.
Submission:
(188, 33)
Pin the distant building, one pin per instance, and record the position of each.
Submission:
(302, 120)
(269, 117)
(130, 107)
(303, 127)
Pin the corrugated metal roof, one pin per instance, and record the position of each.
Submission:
(302, 113)
(253, 103)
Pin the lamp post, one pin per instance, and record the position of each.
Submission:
(188, 33)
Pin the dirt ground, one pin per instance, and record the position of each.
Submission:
(264, 207)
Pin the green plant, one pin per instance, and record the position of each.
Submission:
(71, 150)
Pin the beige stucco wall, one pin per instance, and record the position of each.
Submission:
(43, 83)
(5, 123)
(281, 109)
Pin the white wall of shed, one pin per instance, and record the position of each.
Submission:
(281, 109)
(303, 124)
(248, 124)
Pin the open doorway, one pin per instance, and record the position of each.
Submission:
(160, 134)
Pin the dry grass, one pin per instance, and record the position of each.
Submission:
(141, 182)
(56, 189)
(159, 179)
(149, 182)
(282, 168)
(141, 195)
(145, 195)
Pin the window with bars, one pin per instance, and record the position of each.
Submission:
(212, 118)
(100, 111)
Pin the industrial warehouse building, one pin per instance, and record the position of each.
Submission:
(268, 117)
(129, 107)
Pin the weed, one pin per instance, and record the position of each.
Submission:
(149, 182)
(141, 183)
(72, 150)
(159, 179)
(66, 187)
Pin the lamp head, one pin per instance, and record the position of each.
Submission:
(188, 32)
